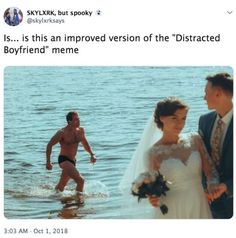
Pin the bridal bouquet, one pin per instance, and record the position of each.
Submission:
(148, 184)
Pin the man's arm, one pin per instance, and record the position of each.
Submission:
(54, 140)
(87, 146)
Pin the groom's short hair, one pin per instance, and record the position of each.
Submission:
(222, 80)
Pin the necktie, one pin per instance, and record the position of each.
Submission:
(216, 142)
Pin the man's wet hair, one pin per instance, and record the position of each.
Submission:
(69, 116)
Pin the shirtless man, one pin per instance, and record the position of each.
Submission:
(69, 138)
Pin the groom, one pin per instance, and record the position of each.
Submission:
(216, 129)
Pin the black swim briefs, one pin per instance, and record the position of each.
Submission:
(62, 158)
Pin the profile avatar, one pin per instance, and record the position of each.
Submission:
(13, 16)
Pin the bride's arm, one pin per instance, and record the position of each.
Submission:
(208, 167)
(153, 164)
(207, 163)
(153, 160)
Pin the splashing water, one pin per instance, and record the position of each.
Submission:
(96, 189)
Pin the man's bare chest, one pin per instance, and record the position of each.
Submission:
(71, 138)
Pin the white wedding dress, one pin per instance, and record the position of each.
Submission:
(181, 164)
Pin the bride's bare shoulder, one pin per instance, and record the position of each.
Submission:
(156, 148)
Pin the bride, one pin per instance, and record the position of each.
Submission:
(180, 159)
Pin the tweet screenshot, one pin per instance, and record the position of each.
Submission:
(117, 118)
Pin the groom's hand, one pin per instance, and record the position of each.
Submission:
(215, 191)
(154, 200)
(220, 189)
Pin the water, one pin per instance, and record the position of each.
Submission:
(113, 102)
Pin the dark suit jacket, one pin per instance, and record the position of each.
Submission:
(223, 207)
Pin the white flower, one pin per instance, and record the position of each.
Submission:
(144, 178)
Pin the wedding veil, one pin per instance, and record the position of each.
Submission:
(137, 164)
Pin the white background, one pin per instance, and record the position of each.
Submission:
(121, 18)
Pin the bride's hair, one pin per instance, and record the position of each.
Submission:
(167, 107)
